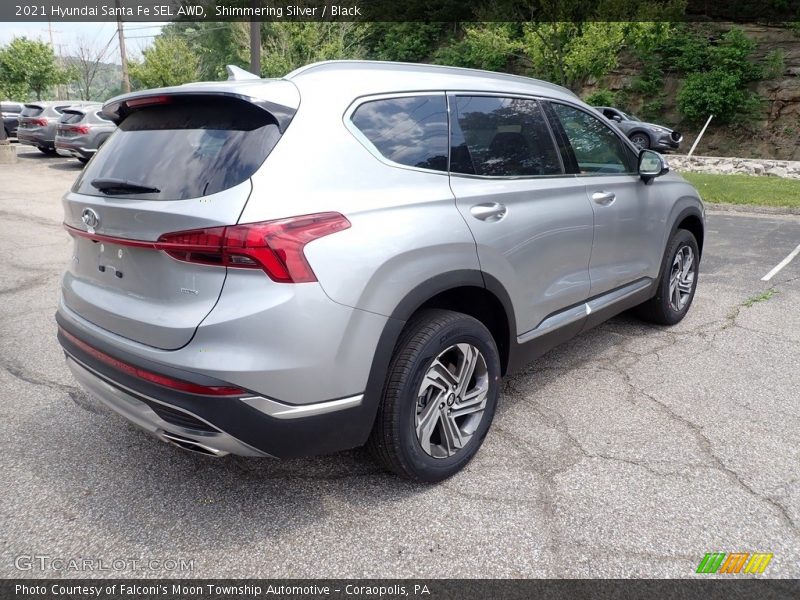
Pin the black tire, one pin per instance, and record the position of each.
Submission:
(642, 140)
(659, 309)
(47, 151)
(83, 160)
(393, 441)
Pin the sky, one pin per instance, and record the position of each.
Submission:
(66, 36)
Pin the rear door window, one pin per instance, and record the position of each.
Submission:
(411, 130)
(186, 148)
(501, 137)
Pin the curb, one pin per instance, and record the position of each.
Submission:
(752, 209)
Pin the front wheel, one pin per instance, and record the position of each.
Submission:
(439, 398)
(678, 282)
(642, 140)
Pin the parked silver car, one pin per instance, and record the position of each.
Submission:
(356, 253)
(81, 130)
(38, 121)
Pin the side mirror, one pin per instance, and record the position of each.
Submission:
(651, 165)
(617, 118)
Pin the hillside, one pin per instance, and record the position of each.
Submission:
(775, 133)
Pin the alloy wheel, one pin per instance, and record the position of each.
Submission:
(681, 280)
(451, 400)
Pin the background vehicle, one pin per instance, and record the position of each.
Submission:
(11, 112)
(264, 276)
(81, 130)
(38, 120)
(644, 135)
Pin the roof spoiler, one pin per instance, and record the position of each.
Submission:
(237, 74)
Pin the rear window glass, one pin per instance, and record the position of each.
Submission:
(71, 117)
(411, 130)
(32, 111)
(186, 149)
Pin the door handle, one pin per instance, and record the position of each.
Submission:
(604, 198)
(489, 212)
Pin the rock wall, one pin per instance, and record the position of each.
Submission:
(725, 166)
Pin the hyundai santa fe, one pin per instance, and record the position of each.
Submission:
(355, 254)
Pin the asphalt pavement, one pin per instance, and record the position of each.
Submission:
(631, 451)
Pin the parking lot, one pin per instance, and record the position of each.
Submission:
(629, 452)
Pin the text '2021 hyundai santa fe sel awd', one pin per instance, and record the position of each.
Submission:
(356, 254)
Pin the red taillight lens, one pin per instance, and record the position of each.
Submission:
(39, 122)
(82, 129)
(148, 101)
(158, 379)
(274, 246)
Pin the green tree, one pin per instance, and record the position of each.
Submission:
(489, 46)
(722, 90)
(29, 67)
(169, 61)
(286, 46)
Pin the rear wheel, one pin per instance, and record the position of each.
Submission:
(678, 282)
(642, 140)
(439, 398)
(83, 160)
(48, 151)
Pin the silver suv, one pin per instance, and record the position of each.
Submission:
(356, 254)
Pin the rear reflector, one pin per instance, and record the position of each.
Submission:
(162, 380)
(276, 247)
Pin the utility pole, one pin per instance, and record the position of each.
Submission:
(126, 82)
(255, 44)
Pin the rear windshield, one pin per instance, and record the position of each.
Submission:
(32, 111)
(71, 117)
(187, 148)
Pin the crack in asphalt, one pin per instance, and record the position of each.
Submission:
(619, 367)
(74, 393)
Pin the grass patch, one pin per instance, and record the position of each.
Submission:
(746, 189)
(763, 297)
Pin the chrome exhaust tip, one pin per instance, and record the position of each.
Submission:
(191, 445)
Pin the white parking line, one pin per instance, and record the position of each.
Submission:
(781, 264)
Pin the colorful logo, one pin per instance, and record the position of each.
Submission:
(736, 562)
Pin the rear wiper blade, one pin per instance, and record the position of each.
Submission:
(122, 186)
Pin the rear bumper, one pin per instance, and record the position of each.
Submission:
(73, 150)
(246, 425)
(34, 139)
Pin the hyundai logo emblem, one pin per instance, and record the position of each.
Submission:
(90, 218)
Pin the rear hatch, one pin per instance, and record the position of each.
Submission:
(30, 117)
(69, 123)
(177, 161)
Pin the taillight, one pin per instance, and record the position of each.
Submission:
(276, 247)
(39, 122)
(82, 129)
